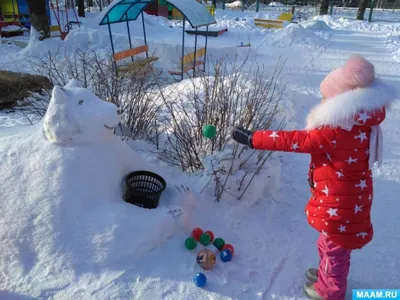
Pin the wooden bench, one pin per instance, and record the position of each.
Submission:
(284, 17)
(55, 28)
(211, 9)
(132, 52)
(188, 62)
(268, 23)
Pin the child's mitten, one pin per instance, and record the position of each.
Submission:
(242, 136)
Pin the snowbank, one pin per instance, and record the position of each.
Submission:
(242, 88)
(341, 23)
(13, 28)
(37, 48)
(63, 216)
(97, 39)
(294, 35)
(315, 25)
(276, 4)
(235, 4)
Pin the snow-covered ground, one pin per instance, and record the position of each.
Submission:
(65, 232)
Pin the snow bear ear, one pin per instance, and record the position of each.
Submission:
(58, 95)
(73, 83)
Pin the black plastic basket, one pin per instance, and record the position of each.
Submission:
(144, 188)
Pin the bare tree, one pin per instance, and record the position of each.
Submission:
(38, 17)
(323, 9)
(361, 9)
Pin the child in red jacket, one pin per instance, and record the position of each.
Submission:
(344, 139)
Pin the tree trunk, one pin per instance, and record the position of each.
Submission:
(323, 10)
(81, 8)
(361, 9)
(38, 17)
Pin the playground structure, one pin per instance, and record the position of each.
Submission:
(284, 17)
(163, 8)
(64, 24)
(101, 4)
(129, 10)
(16, 12)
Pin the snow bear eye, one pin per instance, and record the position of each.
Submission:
(80, 102)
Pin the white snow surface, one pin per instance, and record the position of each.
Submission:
(234, 4)
(276, 4)
(66, 233)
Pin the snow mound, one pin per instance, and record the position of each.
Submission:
(292, 35)
(244, 163)
(96, 39)
(235, 4)
(316, 25)
(346, 23)
(276, 4)
(63, 216)
(14, 28)
(37, 48)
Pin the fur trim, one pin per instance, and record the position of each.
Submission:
(341, 109)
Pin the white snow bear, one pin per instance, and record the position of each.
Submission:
(76, 116)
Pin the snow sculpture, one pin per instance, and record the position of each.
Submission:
(76, 116)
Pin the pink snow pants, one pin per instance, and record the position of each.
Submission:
(333, 269)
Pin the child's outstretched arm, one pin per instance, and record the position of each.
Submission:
(301, 141)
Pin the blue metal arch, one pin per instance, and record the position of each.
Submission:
(129, 10)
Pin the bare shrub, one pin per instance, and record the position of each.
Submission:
(229, 97)
(129, 89)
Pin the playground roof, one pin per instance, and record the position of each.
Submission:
(129, 10)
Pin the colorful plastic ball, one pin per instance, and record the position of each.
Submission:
(228, 247)
(206, 259)
(226, 255)
(205, 239)
(209, 131)
(196, 233)
(200, 280)
(211, 234)
(219, 243)
(190, 243)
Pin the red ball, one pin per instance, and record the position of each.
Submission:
(228, 247)
(196, 233)
(211, 234)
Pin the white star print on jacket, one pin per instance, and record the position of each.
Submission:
(344, 138)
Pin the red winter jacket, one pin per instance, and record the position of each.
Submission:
(339, 176)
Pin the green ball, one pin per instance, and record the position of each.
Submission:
(219, 243)
(209, 131)
(205, 239)
(190, 243)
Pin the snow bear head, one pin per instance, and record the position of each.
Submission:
(76, 115)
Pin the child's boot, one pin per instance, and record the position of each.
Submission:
(312, 274)
(310, 291)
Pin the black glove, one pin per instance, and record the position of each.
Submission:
(242, 136)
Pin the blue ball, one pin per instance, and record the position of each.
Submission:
(200, 280)
(226, 255)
